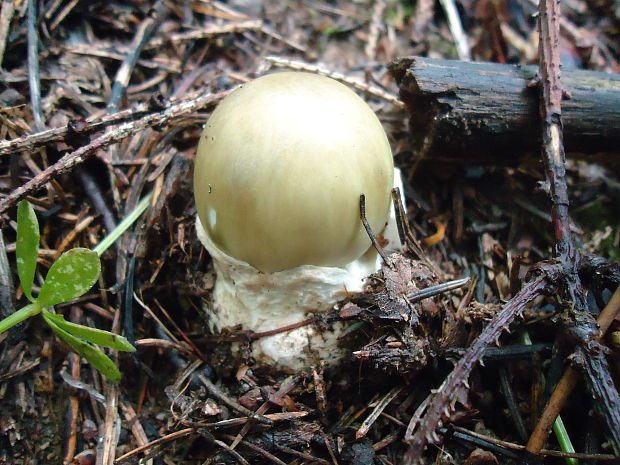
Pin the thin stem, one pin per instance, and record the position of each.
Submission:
(373, 238)
(117, 232)
(19, 316)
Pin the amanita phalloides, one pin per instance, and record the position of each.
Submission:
(279, 171)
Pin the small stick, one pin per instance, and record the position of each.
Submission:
(96, 197)
(136, 427)
(216, 392)
(376, 23)
(255, 448)
(80, 127)
(456, 28)
(33, 66)
(8, 9)
(404, 230)
(372, 237)
(74, 410)
(438, 405)
(121, 80)
(319, 392)
(379, 408)
(26, 367)
(361, 86)
(209, 30)
(302, 455)
(328, 443)
(169, 437)
(436, 290)
(567, 383)
(252, 336)
(580, 324)
(63, 14)
(163, 344)
(518, 447)
(513, 408)
(236, 455)
(111, 428)
(284, 389)
(234, 422)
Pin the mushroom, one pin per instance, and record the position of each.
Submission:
(279, 171)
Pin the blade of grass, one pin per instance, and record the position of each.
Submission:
(117, 232)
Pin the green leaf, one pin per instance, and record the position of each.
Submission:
(94, 335)
(70, 276)
(95, 357)
(27, 246)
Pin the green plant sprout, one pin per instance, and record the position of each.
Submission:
(69, 277)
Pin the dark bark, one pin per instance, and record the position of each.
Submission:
(488, 113)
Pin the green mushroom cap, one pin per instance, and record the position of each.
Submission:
(280, 167)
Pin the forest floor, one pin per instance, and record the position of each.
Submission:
(99, 77)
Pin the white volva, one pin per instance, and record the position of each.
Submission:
(279, 170)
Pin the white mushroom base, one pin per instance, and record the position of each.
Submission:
(266, 301)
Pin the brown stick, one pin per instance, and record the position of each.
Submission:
(567, 383)
(437, 406)
(580, 324)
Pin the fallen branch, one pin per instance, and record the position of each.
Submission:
(578, 321)
(485, 112)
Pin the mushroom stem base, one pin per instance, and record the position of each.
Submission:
(267, 301)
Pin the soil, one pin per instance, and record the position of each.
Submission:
(123, 89)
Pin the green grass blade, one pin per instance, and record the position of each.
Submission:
(19, 316)
(94, 335)
(563, 438)
(27, 246)
(117, 232)
(95, 357)
(70, 276)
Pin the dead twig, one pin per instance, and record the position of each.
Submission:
(207, 31)
(374, 30)
(359, 85)
(218, 394)
(580, 324)
(371, 235)
(255, 448)
(6, 15)
(111, 427)
(567, 383)
(143, 34)
(74, 410)
(164, 439)
(33, 66)
(518, 447)
(438, 406)
(379, 408)
(68, 161)
(456, 28)
(76, 127)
